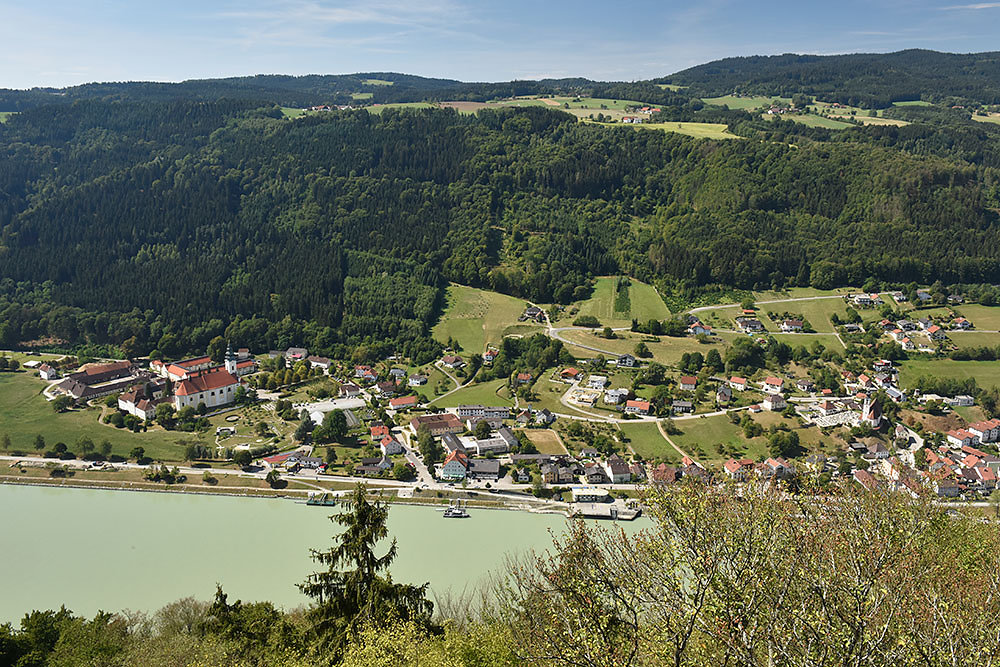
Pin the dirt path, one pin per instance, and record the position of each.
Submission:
(663, 432)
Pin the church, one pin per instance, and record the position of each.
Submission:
(213, 386)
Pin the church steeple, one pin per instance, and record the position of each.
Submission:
(230, 360)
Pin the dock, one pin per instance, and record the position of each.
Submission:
(611, 511)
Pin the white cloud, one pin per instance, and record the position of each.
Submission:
(978, 5)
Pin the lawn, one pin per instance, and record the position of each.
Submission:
(986, 373)
(912, 103)
(24, 413)
(817, 312)
(647, 442)
(697, 130)
(290, 112)
(645, 303)
(991, 118)
(982, 317)
(746, 103)
(361, 96)
(829, 341)
(377, 82)
(5, 115)
(475, 317)
(546, 441)
(484, 393)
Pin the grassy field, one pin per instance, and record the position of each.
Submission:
(912, 103)
(812, 120)
(991, 118)
(545, 440)
(982, 317)
(666, 351)
(986, 373)
(361, 96)
(647, 442)
(974, 338)
(291, 112)
(645, 303)
(817, 312)
(377, 82)
(696, 130)
(24, 413)
(483, 392)
(800, 292)
(746, 103)
(5, 115)
(829, 341)
(378, 108)
(476, 317)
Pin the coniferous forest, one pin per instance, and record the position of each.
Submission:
(156, 225)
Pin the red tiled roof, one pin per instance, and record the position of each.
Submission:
(205, 382)
(403, 401)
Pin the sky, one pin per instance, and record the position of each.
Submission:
(66, 42)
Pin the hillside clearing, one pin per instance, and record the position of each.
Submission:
(476, 317)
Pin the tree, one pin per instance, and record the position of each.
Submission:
(402, 472)
(85, 445)
(920, 459)
(243, 458)
(39, 442)
(61, 403)
(5, 443)
(137, 453)
(482, 430)
(303, 430)
(347, 600)
(273, 479)
(106, 447)
(642, 350)
(217, 349)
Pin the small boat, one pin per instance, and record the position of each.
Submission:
(455, 513)
(322, 500)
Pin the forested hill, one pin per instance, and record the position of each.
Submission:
(865, 79)
(160, 225)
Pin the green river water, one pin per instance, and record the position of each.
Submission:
(114, 550)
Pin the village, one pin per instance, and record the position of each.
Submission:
(590, 430)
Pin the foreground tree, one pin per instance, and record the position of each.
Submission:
(350, 599)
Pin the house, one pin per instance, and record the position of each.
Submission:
(533, 313)
(135, 402)
(906, 325)
(774, 402)
(294, 354)
(961, 323)
(615, 396)
(664, 474)
(738, 470)
(451, 361)
(853, 328)
(773, 385)
(688, 383)
(723, 394)
(947, 488)
(900, 297)
(960, 401)
(827, 408)
(934, 332)
(390, 446)
(985, 431)
(589, 453)
(925, 323)
(626, 361)
(595, 474)
(738, 383)
(490, 356)
(907, 344)
(749, 324)
(923, 295)
(403, 403)
(213, 388)
(349, 390)
(569, 374)
(777, 468)
(755, 409)
(373, 466)
(378, 431)
(789, 326)
(863, 300)
(47, 373)
(362, 372)
(597, 382)
(875, 452)
(485, 469)
(387, 388)
(416, 380)
(895, 395)
(544, 416)
(638, 472)
(521, 475)
(438, 424)
(397, 373)
(488, 411)
(455, 467)
(523, 378)
(321, 363)
(699, 329)
(961, 438)
(805, 384)
(882, 366)
(637, 407)
(682, 407)
(618, 470)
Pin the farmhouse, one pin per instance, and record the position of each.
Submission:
(47, 373)
(416, 380)
(390, 446)
(403, 403)
(774, 402)
(723, 394)
(738, 383)
(791, 325)
(438, 424)
(682, 407)
(451, 361)
(773, 385)
(749, 324)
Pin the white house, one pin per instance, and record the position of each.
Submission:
(597, 382)
(738, 383)
(390, 446)
(774, 402)
(213, 388)
(773, 385)
(47, 373)
(637, 407)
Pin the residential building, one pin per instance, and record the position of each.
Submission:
(637, 407)
(523, 378)
(349, 390)
(626, 361)
(789, 326)
(986, 431)
(484, 469)
(597, 382)
(615, 396)
(738, 383)
(774, 402)
(416, 380)
(961, 438)
(805, 384)
(723, 394)
(403, 403)
(688, 383)
(452, 443)
(618, 470)
(773, 385)
(390, 446)
(738, 469)
(489, 411)
(438, 424)
(451, 361)
(544, 416)
(455, 467)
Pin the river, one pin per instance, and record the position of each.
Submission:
(113, 550)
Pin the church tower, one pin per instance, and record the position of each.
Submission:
(230, 361)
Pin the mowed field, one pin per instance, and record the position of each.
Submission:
(645, 303)
(697, 130)
(476, 317)
(982, 317)
(986, 373)
(545, 440)
(667, 351)
(990, 118)
(746, 103)
(24, 413)
(812, 121)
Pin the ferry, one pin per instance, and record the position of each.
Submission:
(322, 500)
(455, 513)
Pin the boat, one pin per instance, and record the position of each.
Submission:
(322, 500)
(455, 513)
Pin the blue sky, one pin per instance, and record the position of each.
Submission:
(64, 42)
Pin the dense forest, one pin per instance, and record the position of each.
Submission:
(159, 225)
(872, 80)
